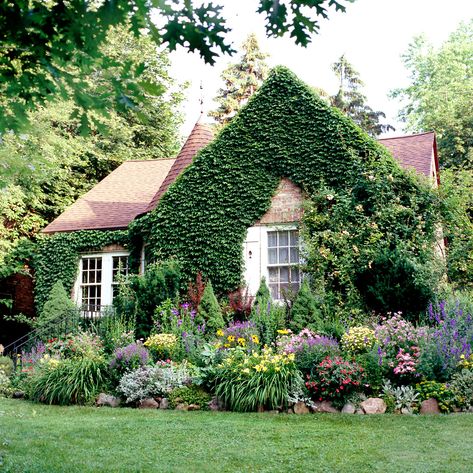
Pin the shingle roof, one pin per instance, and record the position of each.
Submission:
(116, 200)
(201, 135)
(412, 151)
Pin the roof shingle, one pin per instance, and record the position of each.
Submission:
(116, 200)
(412, 151)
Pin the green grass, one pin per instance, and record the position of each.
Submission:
(38, 438)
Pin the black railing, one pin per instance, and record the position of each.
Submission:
(84, 317)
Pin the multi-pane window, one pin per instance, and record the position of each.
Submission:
(119, 268)
(283, 262)
(98, 280)
(91, 283)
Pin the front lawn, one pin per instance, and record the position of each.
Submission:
(39, 438)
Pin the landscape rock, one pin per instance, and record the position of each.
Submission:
(182, 407)
(164, 404)
(149, 403)
(406, 411)
(373, 405)
(18, 395)
(430, 406)
(274, 411)
(300, 408)
(193, 407)
(348, 408)
(108, 400)
(290, 411)
(324, 407)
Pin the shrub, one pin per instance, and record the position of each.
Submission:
(432, 389)
(465, 362)
(358, 340)
(246, 382)
(238, 334)
(162, 345)
(399, 398)
(59, 314)
(241, 303)
(209, 311)
(309, 348)
(334, 379)
(462, 385)
(6, 365)
(115, 330)
(69, 381)
(304, 311)
(153, 381)
(375, 370)
(160, 281)
(189, 395)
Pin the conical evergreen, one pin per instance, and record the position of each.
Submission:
(304, 312)
(209, 310)
(241, 81)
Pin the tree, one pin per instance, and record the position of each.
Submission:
(440, 94)
(209, 311)
(59, 163)
(241, 81)
(352, 102)
(47, 46)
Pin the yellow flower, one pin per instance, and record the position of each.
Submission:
(220, 333)
(231, 338)
(245, 370)
(283, 332)
(241, 341)
(227, 345)
(291, 357)
(255, 338)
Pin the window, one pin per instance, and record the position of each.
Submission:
(97, 283)
(283, 262)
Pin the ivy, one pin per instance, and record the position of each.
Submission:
(58, 256)
(285, 130)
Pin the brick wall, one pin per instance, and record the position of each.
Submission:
(286, 204)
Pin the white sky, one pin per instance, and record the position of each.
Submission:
(372, 34)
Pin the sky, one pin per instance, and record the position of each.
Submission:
(373, 34)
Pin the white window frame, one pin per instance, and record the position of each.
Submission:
(106, 297)
(265, 265)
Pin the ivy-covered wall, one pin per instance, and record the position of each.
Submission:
(58, 256)
(285, 130)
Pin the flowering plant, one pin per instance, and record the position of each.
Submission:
(440, 391)
(130, 357)
(162, 345)
(81, 345)
(465, 362)
(334, 379)
(358, 340)
(247, 381)
(238, 334)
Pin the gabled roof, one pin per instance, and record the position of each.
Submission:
(201, 135)
(116, 200)
(414, 151)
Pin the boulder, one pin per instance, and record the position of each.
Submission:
(373, 405)
(149, 403)
(290, 410)
(407, 411)
(348, 408)
(164, 404)
(300, 408)
(107, 400)
(430, 406)
(324, 407)
(182, 407)
(20, 395)
(193, 407)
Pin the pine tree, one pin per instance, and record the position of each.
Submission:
(352, 102)
(209, 310)
(305, 313)
(241, 81)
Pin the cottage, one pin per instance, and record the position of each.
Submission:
(233, 211)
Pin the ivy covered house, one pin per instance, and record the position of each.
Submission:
(229, 206)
